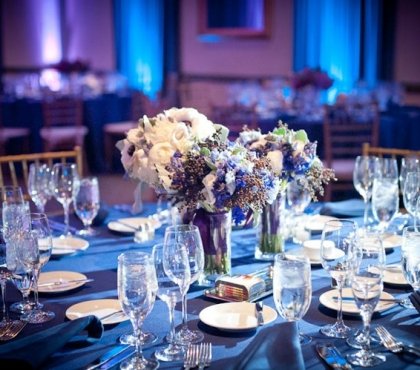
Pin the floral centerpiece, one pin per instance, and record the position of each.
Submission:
(313, 77)
(187, 157)
(292, 156)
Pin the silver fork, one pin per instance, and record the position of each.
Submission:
(393, 344)
(205, 356)
(191, 357)
(13, 330)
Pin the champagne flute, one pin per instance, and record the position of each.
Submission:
(169, 292)
(292, 289)
(137, 288)
(86, 203)
(189, 236)
(64, 177)
(337, 261)
(410, 259)
(39, 184)
(367, 285)
(363, 175)
(411, 194)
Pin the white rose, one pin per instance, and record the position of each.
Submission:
(276, 160)
(249, 136)
(142, 170)
(208, 183)
(260, 143)
(160, 132)
(160, 154)
(180, 139)
(133, 135)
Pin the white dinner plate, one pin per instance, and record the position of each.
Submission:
(68, 245)
(235, 316)
(316, 223)
(391, 240)
(129, 225)
(334, 253)
(61, 277)
(99, 308)
(349, 307)
(394, 275)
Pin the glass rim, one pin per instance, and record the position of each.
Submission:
(182, 227)
(133, 255)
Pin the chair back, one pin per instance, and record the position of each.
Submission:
(389, 152)
(63, 111)
(14, 169)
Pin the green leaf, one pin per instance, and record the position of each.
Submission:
(301, 135)
(205, 151)
(281, 131)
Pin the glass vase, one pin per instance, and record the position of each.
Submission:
(215, 230)
(271, 229)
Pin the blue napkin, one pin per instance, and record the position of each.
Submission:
(415, 299)
(272, 348)
(31, 351)
(345, 208)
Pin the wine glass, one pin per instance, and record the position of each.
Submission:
(64, 177)
(410, 259)
(38, 247)
(189, 236)
(4, 277)
(86, 203)
(137, 286)
(367, 285)
(387, 168)
(363, 175)
(408, 164)
(385, 200)
(292, 288)
(169, 292)
(13, 209)
(337, 260)
(39, 184)
(411, 193)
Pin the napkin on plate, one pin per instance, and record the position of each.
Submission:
(31, 351)
(271, 348)
(345, 208)
(415, 299)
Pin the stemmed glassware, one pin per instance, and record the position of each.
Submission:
(411, 194)
(64, 177)
(363, 175)
(169, 292)
(408, 164)
(39, 184)
(189, 237)
(137, 287)
(337, 260)
(4, 277)
(367, 285)
(86, 203)
(292, 288)
(410, 259)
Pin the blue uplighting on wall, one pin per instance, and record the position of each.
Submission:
(139, 43)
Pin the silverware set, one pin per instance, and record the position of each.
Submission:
(12, 329)
(394, 345)
(198, 355)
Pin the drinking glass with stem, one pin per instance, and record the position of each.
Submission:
(36, 253)
(411, 194)
(292, 289)
(64, 178)
(408, 164)
(363, 175)
(86, 203)
(137, 287)
(169, 292)
(189, 236)
(337, 260)
(367, 286)
(5, 275)
(410, 259)
(39, 184)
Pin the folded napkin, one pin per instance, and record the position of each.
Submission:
(31, 351)
(415, 299)
(272, 348)
(345, 208)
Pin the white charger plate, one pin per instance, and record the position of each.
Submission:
(60, 276)
(235, 316)
(316, 223)
(99, 308)
(68, 245)
(129, 225)
(349, 307)
(394, 276)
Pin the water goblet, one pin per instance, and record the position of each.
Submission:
(337, 253)
(4, 277)
(386, 168)
(410, 259)
(39, 184)
(64, 177)
(292, 288)
(137, 288)
(189, 236)
(367, 285)
(86, 203)
(363, 175)
(385, 199)
(408, 164)
(169, 292)
(411, 194)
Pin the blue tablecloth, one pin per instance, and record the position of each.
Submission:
(99, 261)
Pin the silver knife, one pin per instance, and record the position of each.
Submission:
(113, 357)
(351, 299)
(332, 356)
(64, 282)
(259, 306)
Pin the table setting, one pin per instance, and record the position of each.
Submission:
(218, 291)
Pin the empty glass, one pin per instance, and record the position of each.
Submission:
(385, 201)
(137, 286)
(4, 277)
(39, 184)
(337, 254)
(386, 168)
(292, 289)
(411, 193)
(408, 164)
(366, 283)
(86, 203)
